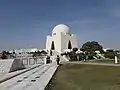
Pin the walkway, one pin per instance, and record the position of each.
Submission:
(35, 79)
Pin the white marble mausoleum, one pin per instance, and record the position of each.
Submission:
(61, 39)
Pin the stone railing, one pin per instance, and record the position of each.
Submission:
(9, 65)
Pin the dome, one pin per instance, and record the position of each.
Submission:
(61, 28)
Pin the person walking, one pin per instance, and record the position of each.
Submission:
(51, 53)
(58, 60)
(47, 59)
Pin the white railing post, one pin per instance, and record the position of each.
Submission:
(116, 60)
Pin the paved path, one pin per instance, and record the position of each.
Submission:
(2, 75)
(35, 79)
(7, 76)
(92, 63)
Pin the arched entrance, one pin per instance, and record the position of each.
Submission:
(69, 45)
(52, 46)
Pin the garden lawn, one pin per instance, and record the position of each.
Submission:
(106, 61)
(85, 77)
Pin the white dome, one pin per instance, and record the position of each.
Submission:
(61, 28)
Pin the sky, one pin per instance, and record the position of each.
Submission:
(26, 23)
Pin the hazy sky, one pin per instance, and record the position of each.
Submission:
(27, 22)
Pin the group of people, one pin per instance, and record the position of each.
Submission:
(83, 56)
(49, 61)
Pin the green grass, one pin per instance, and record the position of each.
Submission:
(85, 77)
(105, 61)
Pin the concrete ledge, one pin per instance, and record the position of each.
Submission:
(48, 75)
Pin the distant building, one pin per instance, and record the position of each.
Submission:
(105, 50)
(23, 52)
(98, 52)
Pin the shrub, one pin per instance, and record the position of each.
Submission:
(110, 54)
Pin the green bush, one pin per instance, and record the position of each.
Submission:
(118, 56)
(110, 54)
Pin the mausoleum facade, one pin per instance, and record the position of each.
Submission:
(61, 39)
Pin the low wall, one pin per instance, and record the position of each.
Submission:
(28, 62)
(10, 65)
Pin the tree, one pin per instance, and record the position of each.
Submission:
(75, 49)
(36, 53)
(73, 56)
(92, 47)
(39, 53)
(43, 52)
(4, 55)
